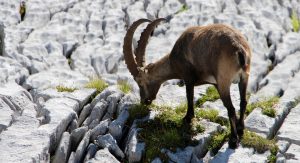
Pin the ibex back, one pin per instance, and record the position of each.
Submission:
(215, 54)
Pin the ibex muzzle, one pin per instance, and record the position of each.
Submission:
(215, 54)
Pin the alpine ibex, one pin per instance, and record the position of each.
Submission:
(213, 54)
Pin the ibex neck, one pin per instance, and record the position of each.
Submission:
(161, 70)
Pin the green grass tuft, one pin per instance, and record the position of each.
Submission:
(138, 111)
(211, 115)
(295, 21)
(61, 88)
(124, 86)
(97, 84)
(260, 144)
(167, 130)
(218, 140)
(267, 106)
(182, 9)
(211, 95)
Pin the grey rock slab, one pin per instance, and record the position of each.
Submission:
(107, 141)
(59, 113)
(283, 145)
(82, 147)
(73, 125)
(184, 155)
(76, 137)
(6, 115)
(240, 154)
(173, 95)
(55, 77)
(81, 95)
(103, 156)
(116, 126)
(63, 150)
(84, 113)
(99, 110)
(134, 149)
(11, 70)
(104, 94)
(113, 101)
(22, 141)
(91, 152)
(289, 130)
(156, 160)
(72, 158)
(203, 139)
(293, 153)
(100, 129)
(260, 123)
(127, 101)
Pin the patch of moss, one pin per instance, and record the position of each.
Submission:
(218, 140)
(260, 144)
(211, 115)
(267, 106)
(167, 130)
(97, 84)
(138, 111)
(61, 88)
(295, 21)
(211, 94)
(124, 86)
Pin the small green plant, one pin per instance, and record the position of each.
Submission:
(211, 95)
(218, 140)
(182, 9)
(61, 88)
(260, 144)
(295, 21)
(124, 86)
(138, 111)
(266, 105)
(97, 84)
(167, 130)
(211, 115)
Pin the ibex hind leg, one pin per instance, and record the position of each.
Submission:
(243, 104)
(224, 91)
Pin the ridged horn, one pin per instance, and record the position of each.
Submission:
(142, 43)
(127, 47)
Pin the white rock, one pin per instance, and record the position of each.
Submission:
(100, 129)
(184, 155)
(103, 156)
(12, 71)
(81, 149)
(107, 141)
(84, 114)
(116, 127)
(289, 130)
(76, 137)
(134, 149)
(63, 150)
(293, 153)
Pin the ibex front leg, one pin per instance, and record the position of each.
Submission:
(224, 91)
(190, 99)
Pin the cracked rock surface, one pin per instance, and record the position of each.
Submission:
(69, 42)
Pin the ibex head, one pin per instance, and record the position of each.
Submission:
(136, 65)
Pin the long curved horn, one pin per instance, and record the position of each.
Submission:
(142, 43)
(127, 47)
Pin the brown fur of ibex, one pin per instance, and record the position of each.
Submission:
(214, 54)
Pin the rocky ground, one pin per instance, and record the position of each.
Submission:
(69, 42)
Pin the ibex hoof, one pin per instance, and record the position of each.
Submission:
(233, 143)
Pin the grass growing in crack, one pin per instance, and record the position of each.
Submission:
(260, 144)
(124, 86)
(295, 21)
(61, 88)
(210, 95)
(97, 84)
(267, 106)
(218, 139)
(211, 115)
(137, 111)
(182, 9)
(167, 130)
